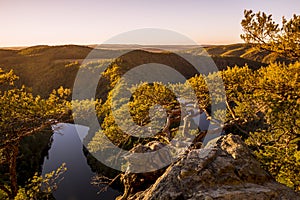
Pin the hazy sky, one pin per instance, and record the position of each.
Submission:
(34, 22)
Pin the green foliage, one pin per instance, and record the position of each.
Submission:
(41, 187)
(44, 68)
(7, 77)
(263, 107)
(32, 151)
(144, 97)
(279, 144)
(112, 74)
(260, 30)
(23, 114)
(83, 110)
(201, 90)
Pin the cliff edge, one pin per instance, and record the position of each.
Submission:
(224, 169)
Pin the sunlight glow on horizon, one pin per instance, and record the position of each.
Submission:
(32, 22)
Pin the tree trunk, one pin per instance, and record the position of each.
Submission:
(13, 170)
(186, 125)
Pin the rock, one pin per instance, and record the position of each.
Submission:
(134, 182)
(224, 169)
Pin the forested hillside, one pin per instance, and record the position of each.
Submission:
(44, 68)
(262, 105)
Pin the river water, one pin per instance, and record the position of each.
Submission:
(67, 148)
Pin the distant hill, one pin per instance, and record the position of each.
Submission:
(44, 68)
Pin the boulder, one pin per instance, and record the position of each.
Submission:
(224, 169)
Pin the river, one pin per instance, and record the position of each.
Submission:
(67, 148)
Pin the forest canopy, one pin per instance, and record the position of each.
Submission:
(21, 115)
(262, 106)
(265, 34)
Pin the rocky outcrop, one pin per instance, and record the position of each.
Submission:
(224, 169)
(135, 182)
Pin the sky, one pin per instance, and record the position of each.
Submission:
(57, 22)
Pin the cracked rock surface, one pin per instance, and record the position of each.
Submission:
(223, 169)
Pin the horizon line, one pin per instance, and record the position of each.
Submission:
(114, 44)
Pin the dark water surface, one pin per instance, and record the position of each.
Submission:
(67, 148)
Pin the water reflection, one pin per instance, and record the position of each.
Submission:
(67, 148)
